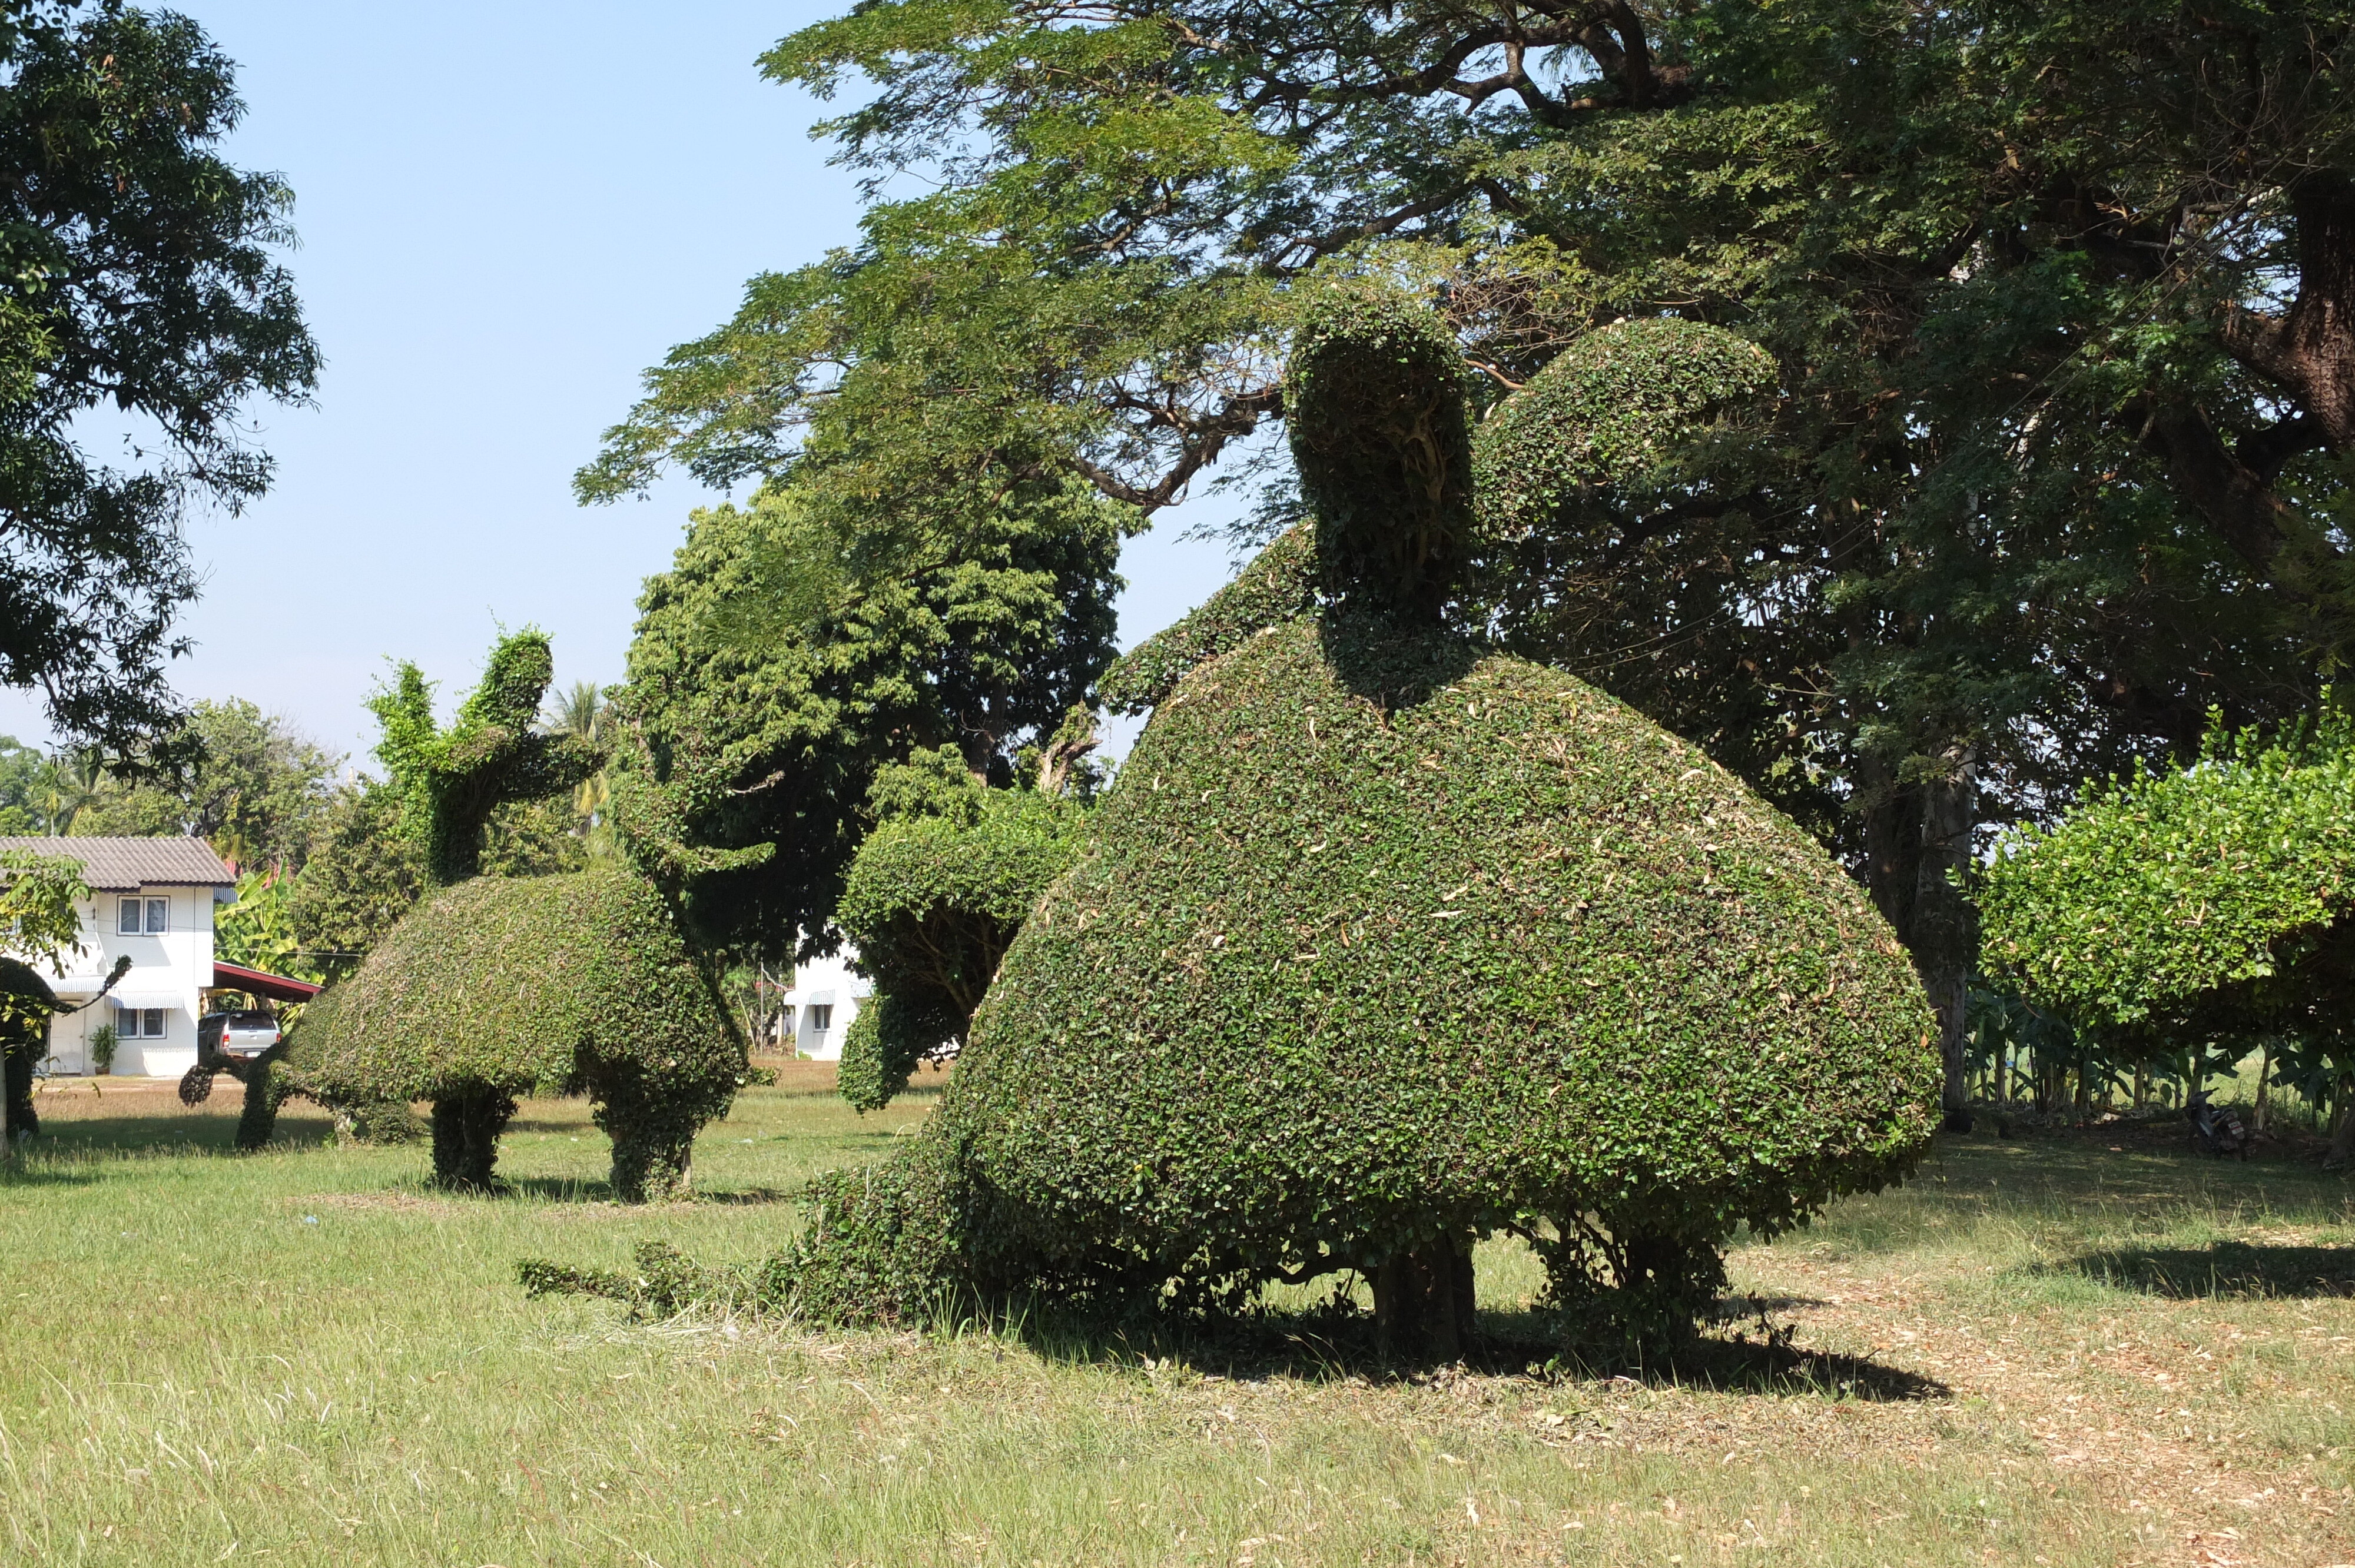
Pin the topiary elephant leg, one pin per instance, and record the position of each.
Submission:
(467, 1128)
(1423, 1301)
(265, 1091)
(24, 1122)
(653, 1148)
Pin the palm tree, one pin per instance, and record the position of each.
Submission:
(75, 779)
(582, 710)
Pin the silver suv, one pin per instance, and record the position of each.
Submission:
(237, 1034)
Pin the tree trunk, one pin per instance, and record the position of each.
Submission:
(2264, 1082)
(1423, 1302)
(2342, 1137)
(1916, 839)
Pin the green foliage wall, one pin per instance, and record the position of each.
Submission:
(553, 985)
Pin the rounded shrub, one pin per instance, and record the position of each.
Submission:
(2218, 899)
(934, 894)
(500, 987)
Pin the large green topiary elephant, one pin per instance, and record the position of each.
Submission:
(1386, 940)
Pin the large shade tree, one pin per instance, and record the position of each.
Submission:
(768, 681)
(2061, 302)
(139, 289)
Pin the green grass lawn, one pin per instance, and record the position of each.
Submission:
(2042, 1350)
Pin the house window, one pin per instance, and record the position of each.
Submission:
(142, 1022)
(821, 1017)
(150, 916)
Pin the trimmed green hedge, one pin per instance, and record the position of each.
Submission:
(549, 985)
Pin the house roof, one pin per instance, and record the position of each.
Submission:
(121, 865)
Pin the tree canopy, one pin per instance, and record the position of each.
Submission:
(251, 785)
(138, 275)
(2060, 303)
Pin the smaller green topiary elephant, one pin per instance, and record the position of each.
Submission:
(502, 987)
(494, 988)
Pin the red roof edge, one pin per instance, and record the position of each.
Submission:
(261, 982)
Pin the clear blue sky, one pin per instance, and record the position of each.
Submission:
(508, 210)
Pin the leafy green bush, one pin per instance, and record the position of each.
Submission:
(934, 894)
(551, 985)
(2211, 903)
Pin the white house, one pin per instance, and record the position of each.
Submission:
(151, 899)
(826, 996)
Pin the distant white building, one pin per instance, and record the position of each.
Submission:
(153, 899)
(816, 1012)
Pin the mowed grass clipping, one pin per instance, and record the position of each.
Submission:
(2043, 1350)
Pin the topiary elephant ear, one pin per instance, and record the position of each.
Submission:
(1618, 408)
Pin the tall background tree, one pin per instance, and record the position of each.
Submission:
(768, 681)
(2061, 302)
(137, 275)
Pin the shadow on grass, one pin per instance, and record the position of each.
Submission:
(71, 1137)
(588, 1190)
(1511, 1344)
(2224, 1269)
